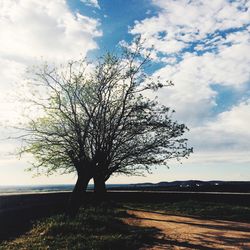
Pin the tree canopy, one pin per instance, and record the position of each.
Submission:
(96, 120)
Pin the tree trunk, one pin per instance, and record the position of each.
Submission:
(77, 196)
(100, 188)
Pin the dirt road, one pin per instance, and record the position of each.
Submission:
(177, 232)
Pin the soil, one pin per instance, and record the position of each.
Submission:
(178, 232)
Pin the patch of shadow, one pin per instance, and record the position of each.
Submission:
(170, 243)
(222, 239)
(19, 221)
(226, 226)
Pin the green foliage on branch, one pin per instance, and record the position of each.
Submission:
(98, 118)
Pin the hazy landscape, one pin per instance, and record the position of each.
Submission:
(190, 186)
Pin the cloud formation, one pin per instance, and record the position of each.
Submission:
(92, 3)
(47, 29)
(204, 44)
(33, 31)
(229, 129)
(181, 23)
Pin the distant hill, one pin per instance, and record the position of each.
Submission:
(188, 186)
(191, 186)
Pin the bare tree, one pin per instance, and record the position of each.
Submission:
(132, 132)
(99, 123)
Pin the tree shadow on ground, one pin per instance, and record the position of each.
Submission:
(226, 226)
(208, 240)
(217, 223)
(172, 244)
(16, 222)
(95, 227)
(239, 241)
(108, 226)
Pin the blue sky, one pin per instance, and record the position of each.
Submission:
(202, 46)
(115, 18)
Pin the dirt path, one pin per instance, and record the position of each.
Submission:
(176, 232)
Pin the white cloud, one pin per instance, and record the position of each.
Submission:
(204, 43)
(32, 30)
(193, 96)
(180, 22)
(227, 158)
(215, 58)
(225, 139)
(93, 3)
(47, 29)
(228, 130)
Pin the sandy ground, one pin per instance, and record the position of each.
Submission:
(177, 232)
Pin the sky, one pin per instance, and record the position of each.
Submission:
(202, 46)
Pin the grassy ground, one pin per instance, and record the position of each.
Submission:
(198, 209)
(93, 228)
(103, 227)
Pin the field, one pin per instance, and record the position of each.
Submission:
(178, 225)
(92, 228)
